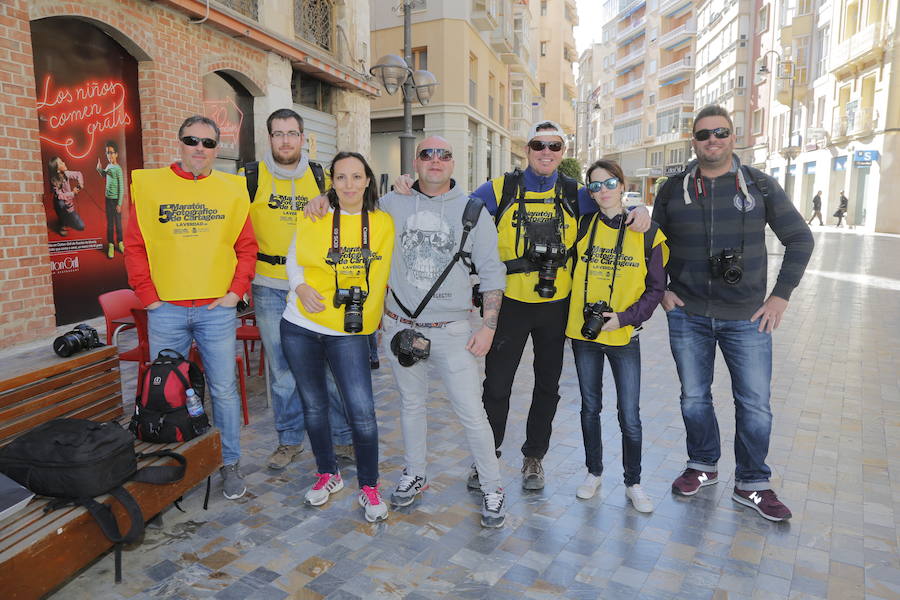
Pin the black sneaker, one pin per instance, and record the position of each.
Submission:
(765, 502)
(408, 488)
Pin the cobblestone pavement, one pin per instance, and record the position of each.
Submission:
(834, 456)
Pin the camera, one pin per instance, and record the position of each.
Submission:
(549, 257)
(727, 265)
(83, 337)
(594, 319)
(410, 346)
(353, 299)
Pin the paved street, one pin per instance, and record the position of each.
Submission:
(835, 457)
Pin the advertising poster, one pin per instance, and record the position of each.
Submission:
(89, 127)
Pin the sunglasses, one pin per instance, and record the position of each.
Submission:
(538, 145)
(701, 135)
(610, 184)
(432, 153)
(193, 140)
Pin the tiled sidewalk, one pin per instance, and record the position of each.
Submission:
(834, 456)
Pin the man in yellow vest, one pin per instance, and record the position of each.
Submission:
(190, 254)
(280, 185)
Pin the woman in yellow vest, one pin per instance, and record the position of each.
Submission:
(337, 270)
(618, 280)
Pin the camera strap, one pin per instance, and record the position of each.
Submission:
(589, 254)
(334, 253)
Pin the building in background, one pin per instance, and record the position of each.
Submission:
(556, 20)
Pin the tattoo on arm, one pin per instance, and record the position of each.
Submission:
(491, 303)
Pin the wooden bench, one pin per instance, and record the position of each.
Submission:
(40, 551)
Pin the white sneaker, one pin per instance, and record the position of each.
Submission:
(370, 499)
(589, 487)
(326, 484)
(639, 498)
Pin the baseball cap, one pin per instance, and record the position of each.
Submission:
(547, 128)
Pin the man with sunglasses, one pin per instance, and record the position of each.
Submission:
(714, 215)
(190, 254)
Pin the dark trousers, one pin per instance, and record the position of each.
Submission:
(545, 322)
(113, 221)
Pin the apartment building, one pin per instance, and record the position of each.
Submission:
(484, 55)
(555, 20)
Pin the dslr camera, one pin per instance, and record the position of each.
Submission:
(594, 319)
(353, 299)
(728, 265)
(548, 257)
(410, 346)
(83, 337)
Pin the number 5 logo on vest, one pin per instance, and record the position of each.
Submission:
(165, 212)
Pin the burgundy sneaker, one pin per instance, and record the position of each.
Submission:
(765, 502)
(690, 482)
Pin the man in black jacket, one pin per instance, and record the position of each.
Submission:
(714, 216)
(817, 209)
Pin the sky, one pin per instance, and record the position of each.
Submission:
(588, 23)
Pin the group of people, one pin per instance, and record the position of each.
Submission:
(329, 263)
(840, 213)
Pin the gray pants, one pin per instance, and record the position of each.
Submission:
(459, 371)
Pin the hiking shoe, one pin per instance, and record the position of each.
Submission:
(473, 483)
(588, 487)
(690, 482)
(639, 498)
(122, 247)
(111, 252)
(409, 487)
(493, 509)
(765, 502)
(232, 482)
(532, 473)
(283, 455)
(326, 485)
(370, 499)
(344, 452)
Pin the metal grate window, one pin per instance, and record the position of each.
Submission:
(248, 8)
(314, 22)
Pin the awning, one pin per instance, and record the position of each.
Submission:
(632, 11)
(676, 79)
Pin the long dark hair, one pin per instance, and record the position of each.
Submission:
(370, 196)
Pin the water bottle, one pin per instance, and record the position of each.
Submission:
(193, 403)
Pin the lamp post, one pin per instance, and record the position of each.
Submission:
(395, 72)
(789, 153)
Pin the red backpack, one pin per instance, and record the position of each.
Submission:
(160, 411)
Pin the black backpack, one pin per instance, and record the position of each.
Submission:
(251, 173)
(74, 460)
(160, 413)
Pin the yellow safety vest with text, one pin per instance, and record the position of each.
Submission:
(189, 228)
(539, 206)
(317, 273)
(630, 277)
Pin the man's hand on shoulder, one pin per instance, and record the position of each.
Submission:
(638, 219)
(316, 208)
(770, 313)
(403, 185)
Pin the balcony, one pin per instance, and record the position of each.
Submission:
(633, 57)
(678, 34)
(862, 122)
(635, 113)
(673, 101)
(521, 54)
(681, 65)
(314, 22)
(863, 47)
(683, 133)
(502, 39)
(666, 6)
(519, 128)
(484, 14)
(631, 87)
(630, 30)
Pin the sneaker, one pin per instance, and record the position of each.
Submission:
(493, 509)
(345, 452)
(639, 498)
(283, 455)
(122, 247)
(409, 487)
(232, 482)
(370, 499)
(326, 485)
(532, 473)
(765, 502)
(588, 487)
(473, 483)
(690, 482)
(111, 252)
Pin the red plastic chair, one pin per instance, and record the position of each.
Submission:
(250, 333)
(117, 304)
(143, 347)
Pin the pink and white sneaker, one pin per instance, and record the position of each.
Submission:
(326, 485)
(370, 499)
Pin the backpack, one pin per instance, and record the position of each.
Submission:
(251, 173)
(160, 412)
(756, 176)
(74, 460)
(567, 189)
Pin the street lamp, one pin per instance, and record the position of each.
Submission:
(789, 152)
(394, 72)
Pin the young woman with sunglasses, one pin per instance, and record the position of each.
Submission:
(617, 282)
(338, 276)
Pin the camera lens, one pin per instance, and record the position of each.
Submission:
(732, 275)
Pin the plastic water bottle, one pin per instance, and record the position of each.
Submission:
(193, 403)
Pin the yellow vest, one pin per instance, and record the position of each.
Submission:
(520, 286)
(189, 229)
(274, 216)
(630, 277)
(313, 250)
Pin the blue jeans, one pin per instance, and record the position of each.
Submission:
(748, 355)
(172, 326)
(625, 363)
(268, 303)
(308, 353)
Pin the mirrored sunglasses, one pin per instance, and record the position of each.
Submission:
(610, 184)
(701, 135)
(432, 153)
(193, 140)
(538, 145)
